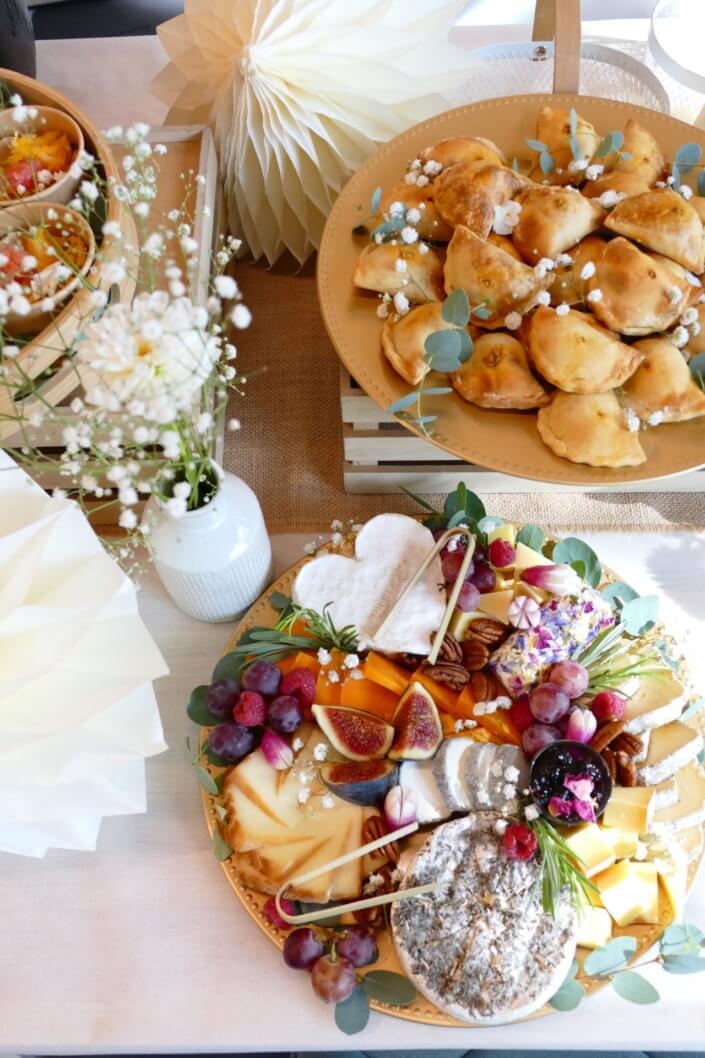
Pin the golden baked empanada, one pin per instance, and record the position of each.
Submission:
(567, 285)
(421, 280)
(698, 204)
(403, 339)
(646, 158)
(663, 221)
(463, 149)
(577, 354)
(431, 225)
(490, 276)
(626, 184)
(467, 193)
(552, 220)
(664, 384)
(637, 293)
(497, 375)
(685, 280)
(589, 428)
(504, 243)
(553, 129)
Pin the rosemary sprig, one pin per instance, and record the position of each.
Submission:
(322, 628)
(273, 644)
(560, 869)
(608, 677)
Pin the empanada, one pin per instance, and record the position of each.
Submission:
(504, 243)
(490, 276)
(497, 375)
(467, 193)
(552, 220)
(664, 384)
(627, 184)
(637, 293)
(422, 280)
(589, 428)
(403, 339)
(577, 354)
(431, 225)
(463, 149)
(663, 221)
(567, 285)
(553, 129)
(646, 158)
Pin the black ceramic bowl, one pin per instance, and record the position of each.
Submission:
(553, 763)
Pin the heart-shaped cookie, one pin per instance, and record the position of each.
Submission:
(389, 551)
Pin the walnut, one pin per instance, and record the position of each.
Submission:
(475, 655)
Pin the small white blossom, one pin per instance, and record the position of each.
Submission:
(543, 298)
(324, 657)
(509, 791)
(679, 336)
(241, 317)
(422, 181)
(410, 178)
(423, 248)
(432, 167)
(577, 165)
(234, 424)
(328, 801)
(694, 329)
(226, 287)
(511, 774)
(685, 191)
(500, 826)
(413, 215)
(563, 309)
(320, 751)
(610, 198)
(401, 303)
(382, 310)
(543, 266)
(675, 294)
(689, 316)
(303, 795)
(297, 744)
(594, 295)
(333, 676)
(588, 270)
(396, 209)
(141, 209)
(409, 235)
(400, 265)
(692, 279)
(351, 661)
(594, 171)
(563, 259)
(127, 520)
(655, 419)
(632, 420)
(531, 812)
(506, 216)
(512, 321)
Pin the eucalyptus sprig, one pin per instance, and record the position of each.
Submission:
(560, 869)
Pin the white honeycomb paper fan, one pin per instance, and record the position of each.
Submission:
(78, 715)
(300, 93)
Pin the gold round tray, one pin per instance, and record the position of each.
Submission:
(501, 440)
(263, 614)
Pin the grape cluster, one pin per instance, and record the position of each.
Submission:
(332, 962)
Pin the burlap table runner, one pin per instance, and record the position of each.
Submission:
(290, 448)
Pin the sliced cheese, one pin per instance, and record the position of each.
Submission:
(624, 843)
(496, 604)
(666, 793)
(671, 862)
(671, 747)
(527, 557)
(630, 808)
(629, 891)
(590, 848)
(691, 841)
(689, 810)
(656, 699)
(594, 927)
(448, 773)
(417, 776)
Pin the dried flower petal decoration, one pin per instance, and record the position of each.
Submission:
(299, 94)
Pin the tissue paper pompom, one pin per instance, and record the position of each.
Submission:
(300, 93)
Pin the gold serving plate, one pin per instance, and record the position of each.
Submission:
(507, 441)
(263, 614)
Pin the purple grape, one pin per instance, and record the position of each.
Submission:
(537, 736)
(483, 577)
(549, 703)
(302, 949)
(358, 946)
(232, 742)
(223, 696)
(571, 677)
(451, 562)
(263, 677)
(469, 597)
(286, 714)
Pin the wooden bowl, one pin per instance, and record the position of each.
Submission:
(46, 119)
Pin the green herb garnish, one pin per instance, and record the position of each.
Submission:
(560, 869)
(273, 644)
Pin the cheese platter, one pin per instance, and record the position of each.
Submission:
(406, 802)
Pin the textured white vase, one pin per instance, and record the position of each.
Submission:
(217, 560)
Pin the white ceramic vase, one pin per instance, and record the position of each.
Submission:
(214, 561)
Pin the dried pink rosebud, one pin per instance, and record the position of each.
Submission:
(556, 579)
(581, 786)
(524, 612)
(400, 807)
(585, 810)
(581, 724)
(277, 750)
(560, 808)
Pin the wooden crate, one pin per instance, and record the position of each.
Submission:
(380, 455)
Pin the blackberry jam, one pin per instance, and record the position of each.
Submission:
(568, 760)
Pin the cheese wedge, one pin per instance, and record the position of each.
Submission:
(526, 557)
(590, 847)
(624, 843)
(629, 891)
(671, 862)
(666, 793)
(496, 604)
(691, 841)
(594, 927)
(671, 747)
(448, 773)
(630, 808)
(689, 810)
(656, 700)
(417, 776)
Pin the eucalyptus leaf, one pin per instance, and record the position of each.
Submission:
(531, 536)
(403, 402)
(684, 964)
(482, 312)
(580, 568)
(445, 343)
(606, 146)
(688, 156)
(376, 199)
(444, 363)
(466, 347)
(489, 523)
(221, 811)
(618, 591)
(676, 175)
(221, 849)
(206, 780)
(228, 668)
(537, 145)
(198, 710)
(389, 987)
(697, 365)
(352, 1015)
(546, 162)
(425, 420)
(573, 121)
(385, 229)
(614, 956)
(575, 147)
(515, 164)
(632, 986)
(279, 601)
(681, 937)
(456, 308)
(573, 550)
(617, 139)
(639, 615)
(701, 182)
(459, 518)
(464, 500)
(568, 996)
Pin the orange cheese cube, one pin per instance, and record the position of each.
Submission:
(369, 696)
(386, 673)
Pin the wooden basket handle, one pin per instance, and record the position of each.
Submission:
(560, 20)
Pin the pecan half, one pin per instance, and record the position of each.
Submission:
(485, 686)
(607, 734)
(374, 917)
(610, 760)
(487, 631)
(632, 745)
(408, 661)
(475, 655)
(373, 828)
(451, 649)
(449, 673)
(626, 770)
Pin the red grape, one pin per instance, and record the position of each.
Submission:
(549, 703)
(358, 946)
(571, 677)
(608, 706)
(537, 736)
(286, 713)
(302, 948)
(451, 563)
(263, 677)
(223, 696)
(232, 742)
(469, 597)
(483, 577)
(333, 979)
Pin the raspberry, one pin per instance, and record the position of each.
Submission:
(521, 714)
(302, 684)
(501, 553)
(608, 706)
(251, 710)
(519, 842)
